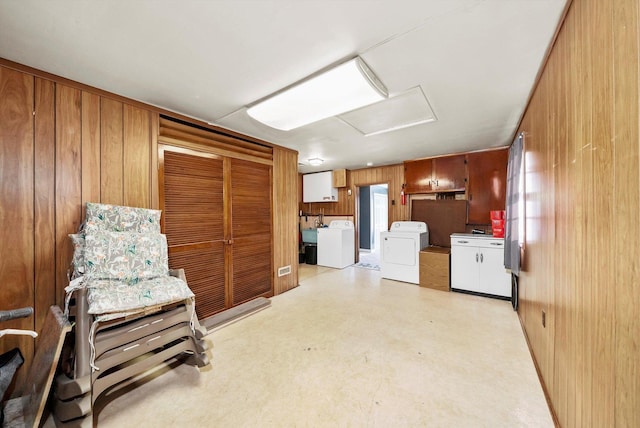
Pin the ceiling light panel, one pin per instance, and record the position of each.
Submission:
(407, 109)
(315, 161)
(348, 86)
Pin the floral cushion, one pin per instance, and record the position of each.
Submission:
(117, 218)
(125, 256)
(78, 254)
(109, 296)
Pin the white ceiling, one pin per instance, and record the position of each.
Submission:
(475, 60)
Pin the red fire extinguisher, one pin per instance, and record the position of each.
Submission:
(403, 197)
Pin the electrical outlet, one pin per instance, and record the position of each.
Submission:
(544, 319)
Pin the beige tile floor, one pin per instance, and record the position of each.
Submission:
(349, 349)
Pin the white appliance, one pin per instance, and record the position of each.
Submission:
(336, 244)
(477, 265)
(400, 251)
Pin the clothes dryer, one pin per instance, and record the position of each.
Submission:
(400, 250)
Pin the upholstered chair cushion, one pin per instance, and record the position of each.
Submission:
(118, 218)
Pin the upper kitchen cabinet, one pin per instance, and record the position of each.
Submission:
(339, 177)
(443, 174)
(418, 175)
(318, 187)
(487, 184)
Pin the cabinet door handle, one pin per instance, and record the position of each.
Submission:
(476, 257)
(481, 258)
(463, 242)
(496, 243)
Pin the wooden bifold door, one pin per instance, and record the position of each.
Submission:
(217, 218)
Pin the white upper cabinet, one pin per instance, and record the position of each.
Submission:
(318, 187)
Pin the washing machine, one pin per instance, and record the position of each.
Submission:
(336, 244)
(400, 250)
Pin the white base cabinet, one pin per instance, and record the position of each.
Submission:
(477, 264)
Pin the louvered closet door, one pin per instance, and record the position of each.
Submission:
(251, 230)
(193, 219)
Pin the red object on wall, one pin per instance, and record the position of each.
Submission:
(403, 196)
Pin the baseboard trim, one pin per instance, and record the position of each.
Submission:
(547, 397)
(235, 314)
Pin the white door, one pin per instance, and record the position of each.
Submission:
(494, 278)
(399, 250)
(380, 217)
(464, 267)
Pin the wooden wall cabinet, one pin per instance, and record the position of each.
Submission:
(444, 174)
(487, 184)
(339, 178)
(418, 175)
(217, 218)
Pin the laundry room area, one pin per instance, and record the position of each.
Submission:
(422, 222)
(326, 240)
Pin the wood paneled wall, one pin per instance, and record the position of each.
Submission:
(393, 175)
(59, 149)
(582, 258)
(63, 144)
(285, 218)
(17, 166)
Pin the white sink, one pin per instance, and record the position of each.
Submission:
(310, 236)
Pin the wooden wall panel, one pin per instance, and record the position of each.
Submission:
(602, 263)
(68, 180)
(44, 182)
(582, 263)
(155, 190)
(285, 218)
(579, 170)
(137, 157)
(563, 388)
(16, 201)
(91, 153)
(626, 228)
(111, 173)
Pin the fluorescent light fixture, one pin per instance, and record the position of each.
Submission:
(315, 161)
(348, 86)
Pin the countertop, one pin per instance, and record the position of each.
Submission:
(474, 236)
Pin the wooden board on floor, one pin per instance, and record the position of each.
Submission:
(28, 406)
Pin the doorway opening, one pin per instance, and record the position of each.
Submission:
(373, 218)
